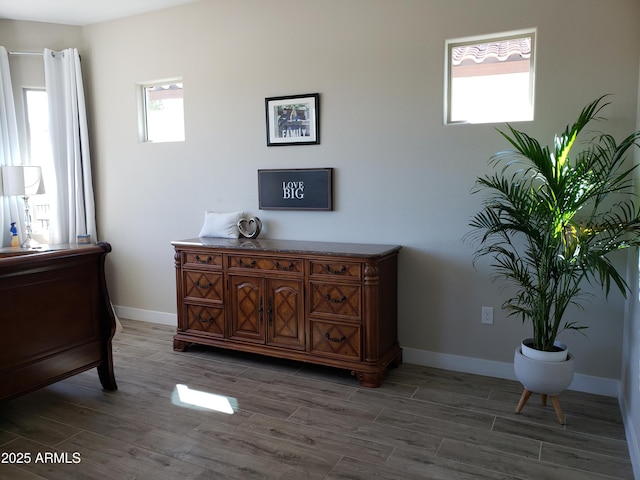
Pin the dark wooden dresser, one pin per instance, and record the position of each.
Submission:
(56, 318)
(333, 304)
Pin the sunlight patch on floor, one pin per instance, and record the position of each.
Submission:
(187, 397)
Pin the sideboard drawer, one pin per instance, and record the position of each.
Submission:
(289, 265)
(209, 320)
(203, 285)
(202, 259)
(336, 300)
(336, 269)
(335, 339)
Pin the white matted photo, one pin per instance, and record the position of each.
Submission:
(293, 120)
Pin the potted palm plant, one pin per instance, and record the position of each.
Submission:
(550, 218)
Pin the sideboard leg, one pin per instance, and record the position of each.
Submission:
(368, 379)
(179, 345)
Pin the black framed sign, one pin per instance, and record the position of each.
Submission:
(293, 120)
(296, 189)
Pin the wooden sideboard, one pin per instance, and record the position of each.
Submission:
(332, 304)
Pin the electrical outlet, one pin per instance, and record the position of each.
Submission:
(487, 315)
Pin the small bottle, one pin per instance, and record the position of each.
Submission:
(15, 242)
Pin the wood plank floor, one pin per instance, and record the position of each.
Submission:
(292, 421)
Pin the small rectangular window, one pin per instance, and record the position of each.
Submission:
(490, 79)
(162, 112)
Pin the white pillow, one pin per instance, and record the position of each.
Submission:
(223, 225)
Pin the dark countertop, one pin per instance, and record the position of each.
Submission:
(292, 246)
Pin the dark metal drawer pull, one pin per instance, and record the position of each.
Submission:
(205, 286)
(342, 270)
(281, 267)
(206, 260)
(246, 265)
(332, 339)
(204, 320)
(335, 300)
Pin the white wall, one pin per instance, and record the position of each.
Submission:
(401, 177)
(630, 379)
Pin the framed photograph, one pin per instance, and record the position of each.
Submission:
(293, 120)
(296, 189)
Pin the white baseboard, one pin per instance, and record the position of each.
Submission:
(146, 315)
(490, 368)
(632, 438)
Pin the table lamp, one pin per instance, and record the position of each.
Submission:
(23, 181)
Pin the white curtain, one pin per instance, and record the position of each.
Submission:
(9, 149)
(73, 201)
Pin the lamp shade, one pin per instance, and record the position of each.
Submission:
(22, 180)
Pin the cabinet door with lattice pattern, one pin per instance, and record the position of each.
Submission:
(285, 313)
(246, 304)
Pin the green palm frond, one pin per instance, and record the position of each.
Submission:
(550, 217)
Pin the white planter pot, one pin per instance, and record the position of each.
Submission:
(538, 376)
(558, 356)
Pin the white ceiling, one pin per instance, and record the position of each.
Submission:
(80, 12)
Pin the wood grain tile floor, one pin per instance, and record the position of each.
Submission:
(292, 421)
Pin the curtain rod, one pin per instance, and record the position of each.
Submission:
(27, 53)
(39, 54)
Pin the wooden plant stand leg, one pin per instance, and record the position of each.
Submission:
(523, 400)
(526, 394)
(556, 405)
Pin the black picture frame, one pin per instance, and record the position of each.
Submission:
(295, 189)
(293, 120)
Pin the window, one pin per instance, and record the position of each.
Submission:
(490, 79)
(162, 112)
(39, 150)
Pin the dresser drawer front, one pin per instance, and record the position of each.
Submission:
(335, 339)
(336, 269)
(209, 320)
(202, 259)
(288, 265)
(203, 286)
(338, 300)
